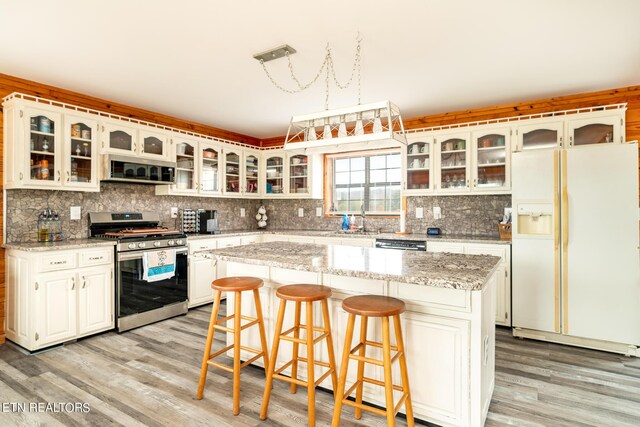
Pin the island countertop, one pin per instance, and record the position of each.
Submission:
(444, 270)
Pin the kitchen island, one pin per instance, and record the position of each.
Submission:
(448, 326)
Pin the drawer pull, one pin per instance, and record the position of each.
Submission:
(95, 258)
(57, 262)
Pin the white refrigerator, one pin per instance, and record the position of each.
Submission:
(576, 246)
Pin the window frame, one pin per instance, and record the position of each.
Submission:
(329, 177)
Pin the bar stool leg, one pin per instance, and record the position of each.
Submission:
(263, 335)
(403, 371)
(236, 352)
(272, 361)
(311, 378)
(388, 385)
(332, 357)
(207, 346)
(296, 346)
(362, 352)
(344, 364)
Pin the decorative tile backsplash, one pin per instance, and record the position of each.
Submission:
(475, 215)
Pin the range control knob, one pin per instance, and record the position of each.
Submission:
(171, 242)
(132, 246)
(142, 245)
(156, 244)
(179, 242)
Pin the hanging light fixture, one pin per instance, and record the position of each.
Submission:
(374, 125)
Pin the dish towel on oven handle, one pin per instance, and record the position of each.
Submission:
(158, 265)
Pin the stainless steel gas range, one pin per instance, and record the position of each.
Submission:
(139, 301)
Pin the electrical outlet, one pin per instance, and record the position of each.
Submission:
(75, 212)
(318, 211)
(437, 212)
(301, 212)
(174, 212)
(243, 212)
(419, 213)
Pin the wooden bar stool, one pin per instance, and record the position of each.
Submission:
(236, 285)
(373, 306)
(299, 294)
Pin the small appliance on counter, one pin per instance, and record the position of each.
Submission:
(207, 222)
(188, 221)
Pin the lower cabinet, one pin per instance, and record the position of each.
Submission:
(202, 271)
(503, 277)
(46, 307)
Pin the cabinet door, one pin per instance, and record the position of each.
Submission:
(299, 173)
(274, 175)
(599, 130)
(202, 271)
(539, 136)
(491, 160)
(453, 158)
(503, 283)
(95, 299)
(209, 158)
(80, 153)
(232, 172)
(56, 309)
(251, 174)
(118, 138)
(417, 159)
(186, 166)
(43, 146)
(454, 248)
(153, 145)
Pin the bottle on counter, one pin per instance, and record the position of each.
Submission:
(345, 223)
(352, 223)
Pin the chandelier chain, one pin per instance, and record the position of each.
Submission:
(327, 67)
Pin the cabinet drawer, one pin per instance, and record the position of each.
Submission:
(247, 240)
(445, 298)
(57, 261)
(228, 242)
(95, 257)
(202, 245)
(354, 285)
(287, 277)
(495, 250)
(455, 248)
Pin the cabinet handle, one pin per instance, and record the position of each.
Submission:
(68, 176)
(73, 283)
(95, 258)
(59, 175)
(21, 176)
(475, 182)
(135, 147)
(84, 282)
(467, 182)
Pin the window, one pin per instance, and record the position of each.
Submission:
(364, 180)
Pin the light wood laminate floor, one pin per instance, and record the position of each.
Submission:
(148, 377)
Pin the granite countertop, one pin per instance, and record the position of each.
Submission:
(65, 244)
(444, 270)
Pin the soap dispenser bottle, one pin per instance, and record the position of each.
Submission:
(345, 223)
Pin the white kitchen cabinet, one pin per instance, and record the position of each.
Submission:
(491, 159)
(51, 300)
(232, 171)
(539, 135)
(154, 144)
(503, 275)
(274, 171)
(119, 138)
(95, 296)
(251, 176)
(453, 162)
(596, 129)
(299, 175)
(202, 271)
(80, 151)
(55, 307)
(417, 162)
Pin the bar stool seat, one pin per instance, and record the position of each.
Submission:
(383, 307)
(299, 294)
(237, 285)
(373, 306)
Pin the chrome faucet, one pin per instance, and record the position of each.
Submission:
(362, 216)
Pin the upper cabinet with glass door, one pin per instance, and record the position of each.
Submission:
(453, 162)
(44, 148)
(274, 171)
(491, 159)
(210, 164)
(186, 166)
(154, 144)
(119, 138)
(251, 174)
(536, 136)
(232, 171)
(603, 129)
(418, 164)
(81, 157)
(299, 175)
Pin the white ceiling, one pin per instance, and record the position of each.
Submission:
(193, 58)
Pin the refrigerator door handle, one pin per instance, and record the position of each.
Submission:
(556, 239)
(565, 245)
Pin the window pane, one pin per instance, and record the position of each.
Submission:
(376, 193)
(377, 175)
(377, 162)
(354, 205)
(393, 161)
(377, 206)
(341, 206)
(357, 177)
(342, 178)
(342, 194)
(357, 164)
(393, 175)
(356, 193)
(342, 165)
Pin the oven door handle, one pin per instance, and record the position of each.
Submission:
(127, 256)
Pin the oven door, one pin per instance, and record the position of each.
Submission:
(135, 295)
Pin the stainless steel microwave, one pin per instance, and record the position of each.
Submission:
(143, 171)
